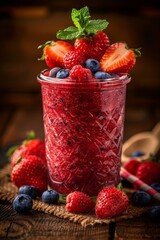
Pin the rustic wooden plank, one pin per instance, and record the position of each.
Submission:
(42, 226)
(137, 228)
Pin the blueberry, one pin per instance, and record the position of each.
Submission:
(29, 190)
(53, 72)
(62, 73)
(141, 198)
(156, 186)
(154, 212)
(92, 64)
(137, 154)
(50, 196)
(23, 203)
(102, 75)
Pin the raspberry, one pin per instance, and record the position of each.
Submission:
(79, 202)
(73, 58)
(81, 74)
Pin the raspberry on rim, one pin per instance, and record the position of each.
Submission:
(80, 74)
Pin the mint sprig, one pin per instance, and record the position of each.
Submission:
(83, 26)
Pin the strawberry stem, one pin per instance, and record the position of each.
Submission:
(11, 150)
(137, 52)
(62, 198)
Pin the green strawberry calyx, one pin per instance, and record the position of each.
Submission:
(83, 26)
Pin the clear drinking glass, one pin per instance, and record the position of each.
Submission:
(83, 125)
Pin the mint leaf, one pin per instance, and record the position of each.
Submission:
(68, 33)
(83, 26)
(80, 17)
(96, 25)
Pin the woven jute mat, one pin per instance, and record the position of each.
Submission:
(8, 192)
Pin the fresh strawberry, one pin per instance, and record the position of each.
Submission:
(80, 74)
(99, 44)
(94, 47)
(148, 172)
(30, 147)
(131, 165)
(51, 63)
(79, 202)
(30, 171)
(118, 59)
(82, 45)
(53, 52)
(110, 202)
(73, 58)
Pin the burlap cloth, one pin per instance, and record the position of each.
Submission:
(8, 192)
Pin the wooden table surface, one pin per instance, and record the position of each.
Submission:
(14, 123)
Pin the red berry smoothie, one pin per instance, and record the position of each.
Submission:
(83, 132)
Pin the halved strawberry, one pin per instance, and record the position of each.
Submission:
(53, 52)
(118, 59)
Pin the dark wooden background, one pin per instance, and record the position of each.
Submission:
(24, 26)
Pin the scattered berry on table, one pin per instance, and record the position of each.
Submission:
(30, 171)
(156, 186)
(62, 73)
(22, 203)
(79, 202)
(137, 154)
(111, 202)
(29, 147)
(73, 58)
(50, 196)
(154, 212)
(93, 65)
(53, 72)
(148, 172)
(141, 198)
(80, 74)
(102, 75)
(131, 165)
(29, 190)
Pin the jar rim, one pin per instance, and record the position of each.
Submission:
(122, 79)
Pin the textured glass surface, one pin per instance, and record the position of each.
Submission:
(83, 134)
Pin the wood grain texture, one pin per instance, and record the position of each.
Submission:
(42, 226)
(136, 229)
